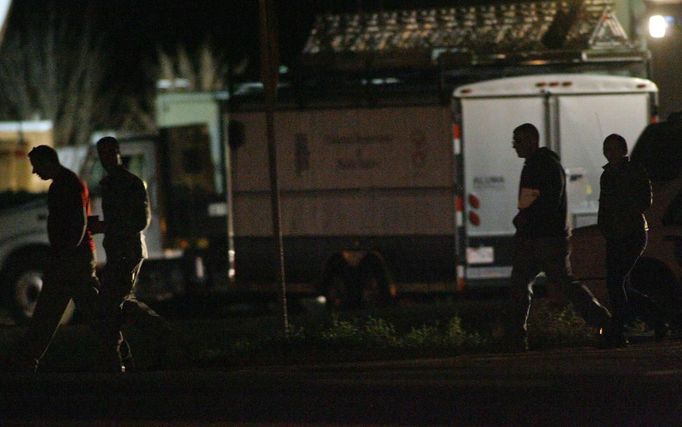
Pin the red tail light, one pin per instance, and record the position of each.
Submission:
(474, 201)
(474, 219)
(456, 131)
(459, 204)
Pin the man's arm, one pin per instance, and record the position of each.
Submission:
(70, 220)
(641, 189)
(544, 188)
(141, 215)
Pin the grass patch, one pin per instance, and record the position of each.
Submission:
(366, 337)
(434, 330)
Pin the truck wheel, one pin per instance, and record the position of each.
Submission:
(25, 281)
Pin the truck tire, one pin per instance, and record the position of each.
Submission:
(24, 283)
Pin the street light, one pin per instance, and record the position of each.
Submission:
(658, 26)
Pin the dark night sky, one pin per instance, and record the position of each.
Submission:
(231, 24)
(132, 29)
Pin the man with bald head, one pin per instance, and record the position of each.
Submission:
(541, 239)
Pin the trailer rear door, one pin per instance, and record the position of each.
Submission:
(573, 113)
(583, 121)
(491, 169)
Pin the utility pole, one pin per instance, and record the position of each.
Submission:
(269, 64)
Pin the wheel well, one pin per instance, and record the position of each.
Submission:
(372, 264)
(19, 256)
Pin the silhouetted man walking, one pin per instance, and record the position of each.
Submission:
(625, 194)
(70, 271)
(541, 239)
(125, 206)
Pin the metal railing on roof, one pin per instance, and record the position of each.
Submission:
(492, 28)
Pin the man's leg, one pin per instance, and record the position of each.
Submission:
(52, 301)
(85, 285)
(621, 256)
(115, 286)
(137, 313)
(524, 270)
(554, 256)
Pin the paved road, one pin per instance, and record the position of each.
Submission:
(638, 385)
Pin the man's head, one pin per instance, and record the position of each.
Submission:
(615, 148)
(109, 153)
(526, 140)
(45, 162)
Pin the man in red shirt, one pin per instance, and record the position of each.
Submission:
(70, 271)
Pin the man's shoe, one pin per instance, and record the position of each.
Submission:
(126, 357)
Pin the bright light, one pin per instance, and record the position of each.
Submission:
(658, 26)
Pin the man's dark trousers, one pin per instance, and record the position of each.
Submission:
(551, 256)
(120, 306)
(621, 256)
(66, 277)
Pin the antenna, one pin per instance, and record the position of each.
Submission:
(601, 131)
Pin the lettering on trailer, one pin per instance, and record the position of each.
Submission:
(496, 182)
(359, 139)
(358, 160)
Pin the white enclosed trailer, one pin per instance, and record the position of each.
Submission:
(574, 113)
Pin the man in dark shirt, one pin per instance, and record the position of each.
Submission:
(125, 206)
(70, 272)
(625, 193)
(541, 240)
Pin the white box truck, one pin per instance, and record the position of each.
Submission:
(574, 113)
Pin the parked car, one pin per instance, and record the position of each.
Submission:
(658, 273)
